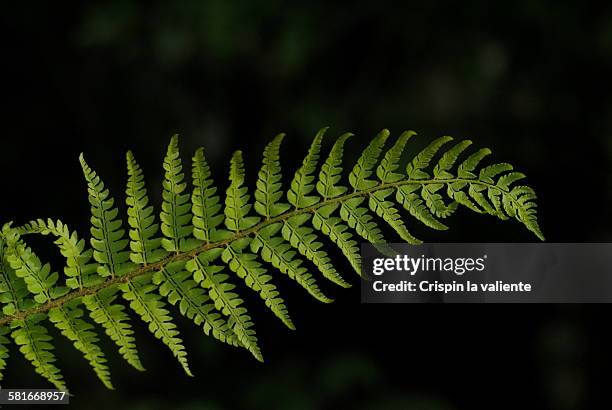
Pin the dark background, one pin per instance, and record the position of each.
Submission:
(529, 78)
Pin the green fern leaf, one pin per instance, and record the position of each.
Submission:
(268, 192)
(145, 247)
(303, 181)
(81, 273)
(115, 321)
(475, 191)
(331, 170)
(387, 211)
(31, 338)
(455, 192)
(246, 266)
(448, 160)
(237, 204)
(39, 279)
(506, 180)
(413, 203)
(470, 164)
(175, 217)
(14, 294)
(107, 237)
(68, 319)
(226, 301)
(358, 218)
(4, 350)
(305, 241)
(495, 197)
(205, 204)
(526, 209)
(276, 251)
(338, 233)
(423, 158)
(176, 285)
(151, 309)
(188, 271)
(79, 269)
(435, 203)
(488, 173)
(363, 169)
(322, 220)
(242, 263)
(34, 343)
(390, 162)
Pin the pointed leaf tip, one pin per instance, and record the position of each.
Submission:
(174, 140)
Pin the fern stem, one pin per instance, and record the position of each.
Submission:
(113, 280)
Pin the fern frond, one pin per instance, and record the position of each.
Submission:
(237, 199)
(358, 178)
(414, 204)
(441, 170)
(303, 181)
(39, 278)
(175, 217)
(68, 319)
(268, 192)
(80, 271)
(322, 220)
(151, 309)
(111, 245)
(205, 203)
(245, 265)
(112, 317)
(277, 251)
(145, 247)
(81, 274)
(12, 291)
(488, 173)
(305, 241)
(387, 212)
(358, 218)
(415, 169)
(204, 239)
(470, 164)
(34, 343)
(331, 170)
(14, 295)
(390, 162)
(226, 301)
(339, 234)
(31, 337)
(435, 203)
(176, 285)
(302, 237)
(107, 237)
(272, 247)
(4, 350)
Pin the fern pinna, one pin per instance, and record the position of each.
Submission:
(202, 245)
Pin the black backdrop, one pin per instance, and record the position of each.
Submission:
(528, 78)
